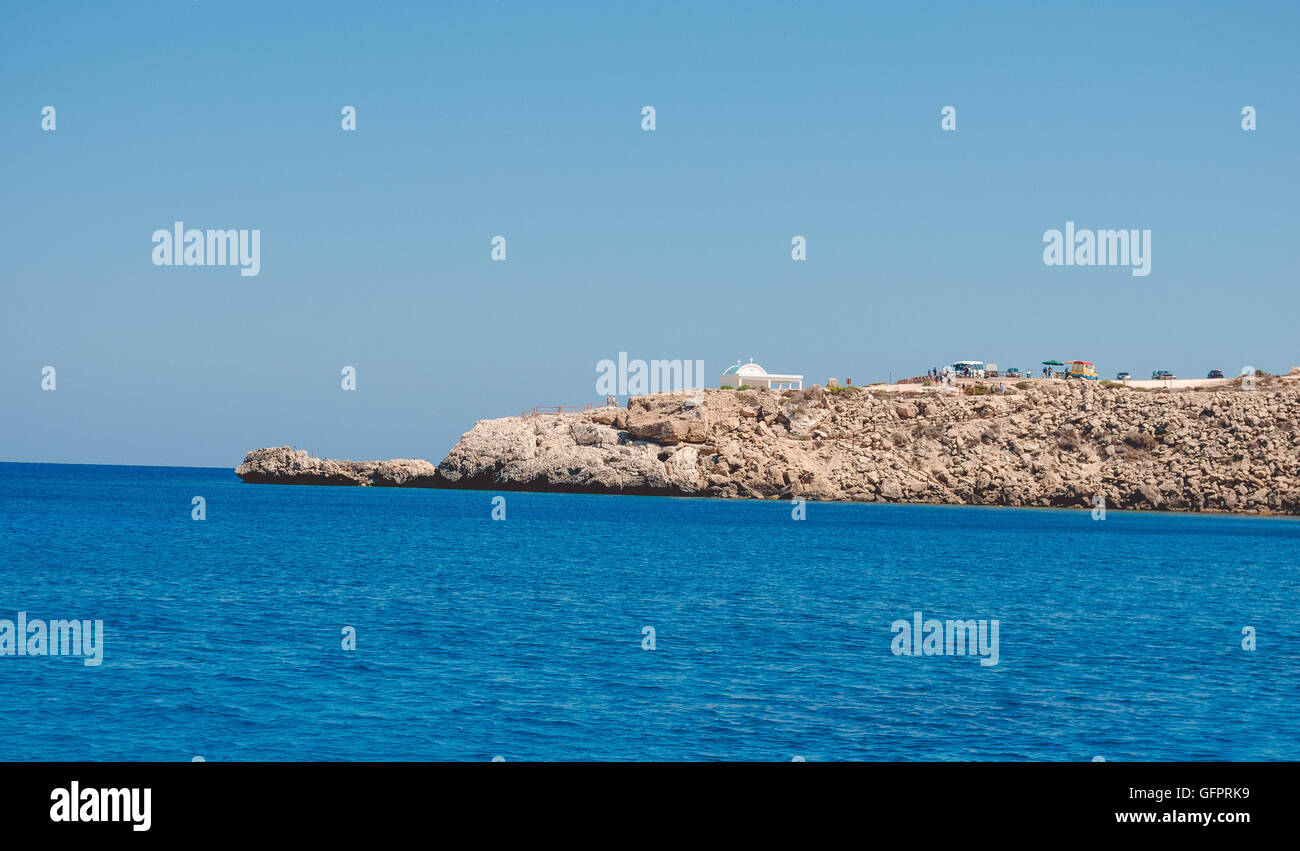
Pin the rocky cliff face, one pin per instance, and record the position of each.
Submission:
(1050, 444)
(285, 466)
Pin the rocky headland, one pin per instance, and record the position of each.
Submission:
(1042, 443)
(282, 465)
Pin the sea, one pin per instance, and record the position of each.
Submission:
(272, 622)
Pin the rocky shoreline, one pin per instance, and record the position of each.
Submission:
(1043, 443)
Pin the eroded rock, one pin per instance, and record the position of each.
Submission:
(1049, 444)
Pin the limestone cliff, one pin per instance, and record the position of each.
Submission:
(282, 465)
(1044, 443)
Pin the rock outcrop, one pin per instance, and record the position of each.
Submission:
(1043, 443)
(282, 465)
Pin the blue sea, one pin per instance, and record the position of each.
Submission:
(522, 638)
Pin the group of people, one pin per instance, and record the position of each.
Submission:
(948, 375)
(942, 375)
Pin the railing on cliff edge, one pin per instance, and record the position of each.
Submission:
(560, 409)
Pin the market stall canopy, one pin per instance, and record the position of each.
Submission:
(1052, 363)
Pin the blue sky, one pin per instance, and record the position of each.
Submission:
(774, 119)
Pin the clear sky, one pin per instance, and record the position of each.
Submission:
(773, 119)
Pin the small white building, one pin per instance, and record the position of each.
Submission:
(752, 375)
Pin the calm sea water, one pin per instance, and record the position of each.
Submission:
(522, 638)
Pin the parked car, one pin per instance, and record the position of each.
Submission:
(1012, 372)
(1124, 376)
(1162, 375)
(1215, 373)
